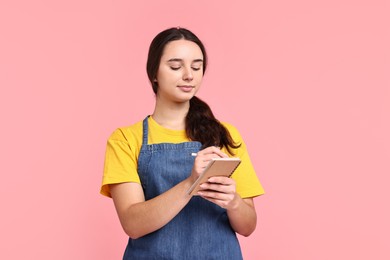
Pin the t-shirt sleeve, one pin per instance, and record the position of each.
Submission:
(120, 163)
(247, 182)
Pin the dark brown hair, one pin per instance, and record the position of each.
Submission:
(201, 124)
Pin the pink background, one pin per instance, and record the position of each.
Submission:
(306, 83)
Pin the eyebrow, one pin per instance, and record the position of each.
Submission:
(180, 60)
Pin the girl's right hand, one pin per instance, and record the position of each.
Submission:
(202, 159)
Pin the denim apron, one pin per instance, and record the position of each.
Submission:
(201, 230)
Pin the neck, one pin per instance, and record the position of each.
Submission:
(171, 116)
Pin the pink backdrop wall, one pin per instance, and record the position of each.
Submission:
(306, 83)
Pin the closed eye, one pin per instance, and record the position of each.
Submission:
(175, 68)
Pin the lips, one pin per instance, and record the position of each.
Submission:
(186, 88)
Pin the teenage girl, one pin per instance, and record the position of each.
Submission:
(149, 168)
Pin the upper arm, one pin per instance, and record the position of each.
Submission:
(126, 194)
(249, 202)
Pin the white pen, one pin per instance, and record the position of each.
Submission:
(194, 154)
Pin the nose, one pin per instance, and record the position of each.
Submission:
(187, 76)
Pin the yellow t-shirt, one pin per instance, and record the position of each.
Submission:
(124, 145)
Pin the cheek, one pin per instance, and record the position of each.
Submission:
(200, 77)
(166, 80)
(166, 75)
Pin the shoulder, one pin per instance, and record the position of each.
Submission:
(127, 133)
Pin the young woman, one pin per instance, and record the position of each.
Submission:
(149, 168)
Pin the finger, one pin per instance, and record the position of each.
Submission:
(221, 180)
(220, 202)
(212, 195)
(213, 150)
(219, 188)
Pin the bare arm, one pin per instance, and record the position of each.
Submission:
(241, 212)
(243, 218)
(139, 217)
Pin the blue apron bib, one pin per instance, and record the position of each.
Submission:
(201, 230)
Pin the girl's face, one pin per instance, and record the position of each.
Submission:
(180, 71)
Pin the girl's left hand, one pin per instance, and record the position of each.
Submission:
(221, 191)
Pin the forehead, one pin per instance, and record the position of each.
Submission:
(182, 49)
